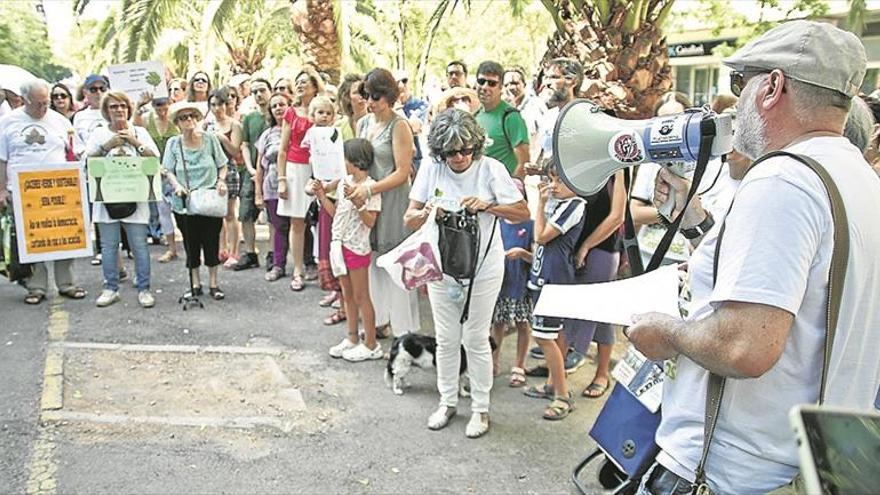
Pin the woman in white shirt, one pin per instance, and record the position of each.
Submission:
(120, 138)
(460, 177)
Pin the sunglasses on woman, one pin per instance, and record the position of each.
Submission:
(370, 96)
(451, 153)
(281, 89)
(200, 80)
(186, 117)
(59, 96)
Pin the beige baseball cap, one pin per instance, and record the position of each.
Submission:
(812, 52)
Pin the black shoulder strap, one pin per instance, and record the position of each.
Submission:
(630, 240)
(836, 276)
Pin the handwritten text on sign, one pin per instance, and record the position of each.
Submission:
(51, 214)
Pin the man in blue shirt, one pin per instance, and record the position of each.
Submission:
(416, 112)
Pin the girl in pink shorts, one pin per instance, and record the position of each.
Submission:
(352, 222)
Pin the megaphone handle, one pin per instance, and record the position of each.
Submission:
(667, 207)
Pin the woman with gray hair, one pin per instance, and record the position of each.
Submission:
(460, 177)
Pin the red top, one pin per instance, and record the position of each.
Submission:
(298, 127)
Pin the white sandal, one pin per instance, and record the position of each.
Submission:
(440, 418)
(478, 425)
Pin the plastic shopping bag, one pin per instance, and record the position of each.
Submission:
(337, 259)
(416, 260)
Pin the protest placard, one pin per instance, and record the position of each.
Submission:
(137, 78)
(51, 211)
(122, 179)
(325, 147)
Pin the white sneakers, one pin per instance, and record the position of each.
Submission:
(440, 418)
(337, 350)
(107, 298)
(146, 299)
(362, 353)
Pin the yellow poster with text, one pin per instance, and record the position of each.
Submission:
(51, 213)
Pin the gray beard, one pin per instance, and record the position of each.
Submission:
(750, 138)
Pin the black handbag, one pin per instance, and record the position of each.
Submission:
(15, 269)
(117, 211)
(459, 246)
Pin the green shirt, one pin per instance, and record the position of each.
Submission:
(500, 144)
(252, 127)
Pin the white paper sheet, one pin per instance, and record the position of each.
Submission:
(614, 302)
(137, 78)
(328, 161)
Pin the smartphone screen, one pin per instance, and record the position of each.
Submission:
(846, 450)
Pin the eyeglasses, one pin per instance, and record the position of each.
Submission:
(59, 96)
(98, 89)
(200, 80)
(451, 153)
(186, 117)
(738, 80)
(487, 82)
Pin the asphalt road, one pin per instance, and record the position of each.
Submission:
(265, 410)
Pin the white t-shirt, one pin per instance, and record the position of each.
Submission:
(347, 224)
(487, 179)
(86, 121)
(24, 139)
(101, 135)
(777, 251)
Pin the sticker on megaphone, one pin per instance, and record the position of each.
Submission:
(626, 147)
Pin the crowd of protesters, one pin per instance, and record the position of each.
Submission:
(482, 145)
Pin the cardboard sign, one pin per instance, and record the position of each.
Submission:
(121, 179)
(137, 78)
(51, 211)
(325, 147)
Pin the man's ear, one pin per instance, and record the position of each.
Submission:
(774, 87)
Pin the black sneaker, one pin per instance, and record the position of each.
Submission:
(249, 260)
(269, 257)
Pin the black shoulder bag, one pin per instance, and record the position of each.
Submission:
(459, 246)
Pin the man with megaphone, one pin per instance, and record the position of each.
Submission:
(777, 316)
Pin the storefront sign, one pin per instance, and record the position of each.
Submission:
(51, 211)
(697, 48)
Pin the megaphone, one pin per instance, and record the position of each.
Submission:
(590, 145)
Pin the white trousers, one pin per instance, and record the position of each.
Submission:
(473, 335)
(392, 304)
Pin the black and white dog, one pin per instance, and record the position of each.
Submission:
(420, 351)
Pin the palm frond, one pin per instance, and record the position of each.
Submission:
(855, 20)
(79, 6)
(220, 12)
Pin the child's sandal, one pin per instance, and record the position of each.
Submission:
(517, 377)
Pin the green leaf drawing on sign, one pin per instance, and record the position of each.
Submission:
(153, 79)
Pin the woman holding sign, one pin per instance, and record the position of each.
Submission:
(119, 138)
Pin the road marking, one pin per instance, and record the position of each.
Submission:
(184, 349)
(42, 467)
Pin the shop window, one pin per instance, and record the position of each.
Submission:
(699, 83)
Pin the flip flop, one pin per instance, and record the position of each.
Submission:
(517, 377)
(594, 390)
(73, 293)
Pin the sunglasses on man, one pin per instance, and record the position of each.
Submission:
(739, 79)
(487, 82)
(98, 89)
